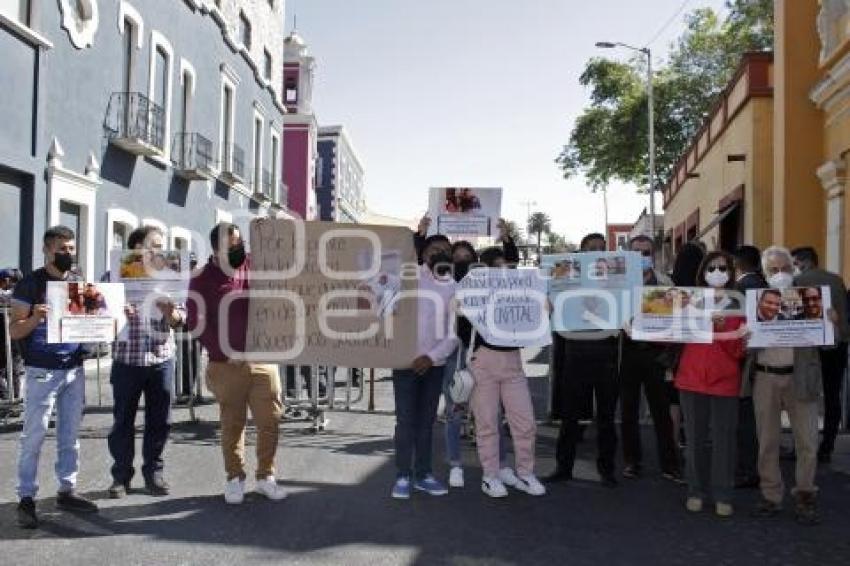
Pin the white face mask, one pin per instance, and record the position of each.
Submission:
(716, 278)
(781, 280)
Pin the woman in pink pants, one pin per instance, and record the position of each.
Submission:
(501, 381)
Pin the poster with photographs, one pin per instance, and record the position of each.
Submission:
(465, 212)
(793, 317)
(591, 290)
(147, 273)
(674, 314)
(507, 307)
(84, 312)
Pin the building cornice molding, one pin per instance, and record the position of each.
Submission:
(833, 177)
(833, 86)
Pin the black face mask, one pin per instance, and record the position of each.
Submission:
(440, 263)
(63, 261)
(236, 256)
(461, 269)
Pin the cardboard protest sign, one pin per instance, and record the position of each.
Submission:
(592, 290)
(332, 294)
(793, 317)
(674, 314)
(507, 307)
(84, 312)
(464, 212)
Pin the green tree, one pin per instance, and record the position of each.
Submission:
(514, 231)
(609, 139)
(559, 244)
(539, 223)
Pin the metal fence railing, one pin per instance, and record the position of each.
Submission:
(133, 116)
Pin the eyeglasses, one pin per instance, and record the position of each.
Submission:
(713, 268)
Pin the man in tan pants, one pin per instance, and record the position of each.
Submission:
(785, 379)
(237, 385)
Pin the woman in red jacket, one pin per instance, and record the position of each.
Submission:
(709, 381)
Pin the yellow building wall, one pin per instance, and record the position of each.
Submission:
(798, 214)
(749, 134)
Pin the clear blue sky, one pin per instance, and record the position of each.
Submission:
(474, 93)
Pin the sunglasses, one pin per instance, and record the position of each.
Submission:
(721, 268)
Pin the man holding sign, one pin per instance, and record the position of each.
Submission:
(54, 377)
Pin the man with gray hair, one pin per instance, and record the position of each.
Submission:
(785, 379)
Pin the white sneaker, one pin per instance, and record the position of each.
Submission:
(508, 477)
(456, 477)
(271, 489)
(234, 491)
(493, 487)
(530, 485)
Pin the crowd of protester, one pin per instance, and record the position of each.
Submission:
(726, 398)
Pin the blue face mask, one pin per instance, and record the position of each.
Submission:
(646, 262)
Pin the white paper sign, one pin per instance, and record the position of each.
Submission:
(151, 272)
(84, 312)
(464, 211)
(507, 307)
(794, 317)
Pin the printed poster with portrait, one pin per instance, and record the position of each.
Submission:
(465, 212)
(591, 290)
(147, 273)
(793, 317)
(507, 307)
(677, 314)
(84, 312)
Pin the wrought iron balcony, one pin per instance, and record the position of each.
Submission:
(233, 164)
(192, 155)
(135, 123)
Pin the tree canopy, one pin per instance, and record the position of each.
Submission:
(609, 140)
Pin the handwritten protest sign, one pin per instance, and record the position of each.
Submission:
(332, 294)
(591, 290)
(464, 211)
(794, 317)
(84, 312)
(507, 307)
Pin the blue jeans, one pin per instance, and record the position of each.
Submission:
(128, 384)
(456, 413)
(417, 398)
(64, 389)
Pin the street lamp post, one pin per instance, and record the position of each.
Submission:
(651, 103)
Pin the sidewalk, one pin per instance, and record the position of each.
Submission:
(339, 510)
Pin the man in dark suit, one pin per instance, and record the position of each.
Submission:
(749, 276)
(833, 358)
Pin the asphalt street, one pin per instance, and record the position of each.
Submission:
(339, 510)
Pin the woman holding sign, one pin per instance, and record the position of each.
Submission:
(709, 381)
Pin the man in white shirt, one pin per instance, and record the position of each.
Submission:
(417, 389)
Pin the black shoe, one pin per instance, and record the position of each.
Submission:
(766, 509)
(631, 472)
(608, 480)
(558, 476)
(27, 519)
(748, 482)
(674, 476)
(157, 486)
(70, 501)
(118, 490)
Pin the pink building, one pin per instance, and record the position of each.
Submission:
(299, 128)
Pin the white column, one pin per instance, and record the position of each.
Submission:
(832, 175)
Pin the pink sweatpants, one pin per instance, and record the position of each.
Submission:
(499, 377)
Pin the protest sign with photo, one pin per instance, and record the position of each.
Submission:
(793, 317)
(465, 212)
(507, 307)
(674, 314)
(146, 272)
(332, 294)
(84, 312)
(591, 290)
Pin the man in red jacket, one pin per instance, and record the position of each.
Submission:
(236, 384)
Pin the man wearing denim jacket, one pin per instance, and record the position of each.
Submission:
(54, 378)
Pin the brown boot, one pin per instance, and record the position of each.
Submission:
(806, 509)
